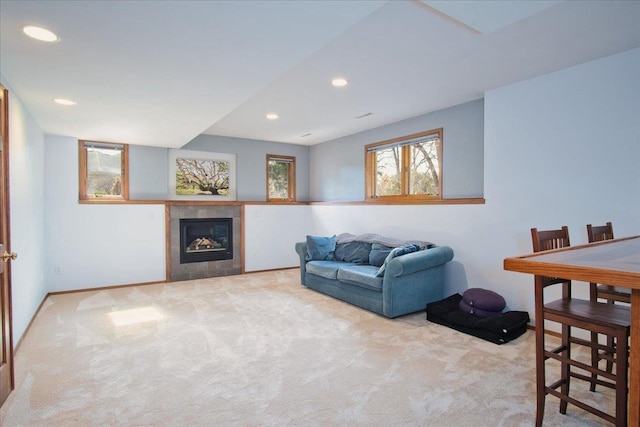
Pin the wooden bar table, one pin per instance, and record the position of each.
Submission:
(610, 262)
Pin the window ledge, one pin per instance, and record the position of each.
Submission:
(99, 201)
(462, 201)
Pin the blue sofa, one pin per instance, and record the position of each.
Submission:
(403, 284)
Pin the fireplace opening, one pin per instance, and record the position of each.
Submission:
(206, 239)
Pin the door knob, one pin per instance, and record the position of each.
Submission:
(9, 256)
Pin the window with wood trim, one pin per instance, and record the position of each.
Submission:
(405, 169)
(281, 178)
(104, 171)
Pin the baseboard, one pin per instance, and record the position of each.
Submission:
(26, 330)
(270, 269)
(546, 331)
(104, 288)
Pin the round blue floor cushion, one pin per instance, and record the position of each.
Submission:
(484, 299)
(477, 311)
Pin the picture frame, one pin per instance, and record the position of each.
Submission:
(201, 175)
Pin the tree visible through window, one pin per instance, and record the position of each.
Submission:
(408, 168)
(103, 171)
(281, 172)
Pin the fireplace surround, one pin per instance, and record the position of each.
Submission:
(199, 269)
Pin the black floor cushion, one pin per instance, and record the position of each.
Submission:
(497, 329)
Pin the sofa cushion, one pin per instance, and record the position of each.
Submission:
(326, 269)
(401, 250)
(361, 275)
(484, 299)
(378, 254)
(355, 252)
(320, 248)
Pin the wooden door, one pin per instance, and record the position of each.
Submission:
(6, 341)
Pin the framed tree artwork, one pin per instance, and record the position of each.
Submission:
(201, 175)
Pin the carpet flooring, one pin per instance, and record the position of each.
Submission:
(262, 350)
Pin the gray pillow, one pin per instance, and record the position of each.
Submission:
(378, 254)
(320, 248)
(401, 250)
(355, 252)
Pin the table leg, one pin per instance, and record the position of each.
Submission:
(634, 375)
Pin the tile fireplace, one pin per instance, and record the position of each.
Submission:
(204, 240)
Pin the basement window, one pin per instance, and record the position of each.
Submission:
(407, 169)
(281, 178)
(103, 171)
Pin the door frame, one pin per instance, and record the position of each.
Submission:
(7, 380)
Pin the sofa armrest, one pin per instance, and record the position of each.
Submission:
(413, 280)
(301, 249)
(417, 261)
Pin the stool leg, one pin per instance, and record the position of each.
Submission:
(611, 345)
(540, 373)
(565, 367)
(595, 358)
(621, 352)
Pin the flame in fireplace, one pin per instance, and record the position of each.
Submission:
(203, 243)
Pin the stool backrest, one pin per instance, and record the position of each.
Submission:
(547, 240)
(550, 239)
(599, 232)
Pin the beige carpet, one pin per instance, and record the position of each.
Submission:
(261, 350)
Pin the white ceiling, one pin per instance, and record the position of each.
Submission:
(159, 73)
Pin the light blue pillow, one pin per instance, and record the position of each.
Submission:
(401, 250)
(321, 248)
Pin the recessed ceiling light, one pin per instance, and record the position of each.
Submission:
(40, 33)
(62, 101)
(272, 116)
(339, 82)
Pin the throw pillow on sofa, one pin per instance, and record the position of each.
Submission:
(355, 252)
(321, 248)
(378, 254)
(402, 250)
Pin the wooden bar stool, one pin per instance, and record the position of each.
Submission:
(601, 318)
(606, 292)
(610, 294)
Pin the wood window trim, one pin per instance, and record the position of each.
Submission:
(370, 172)
(83, 171)
(291, 178)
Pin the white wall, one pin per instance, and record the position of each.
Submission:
(90, 245)
(561, 149)
(148, 173)
(26, 154)
(271, 232)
